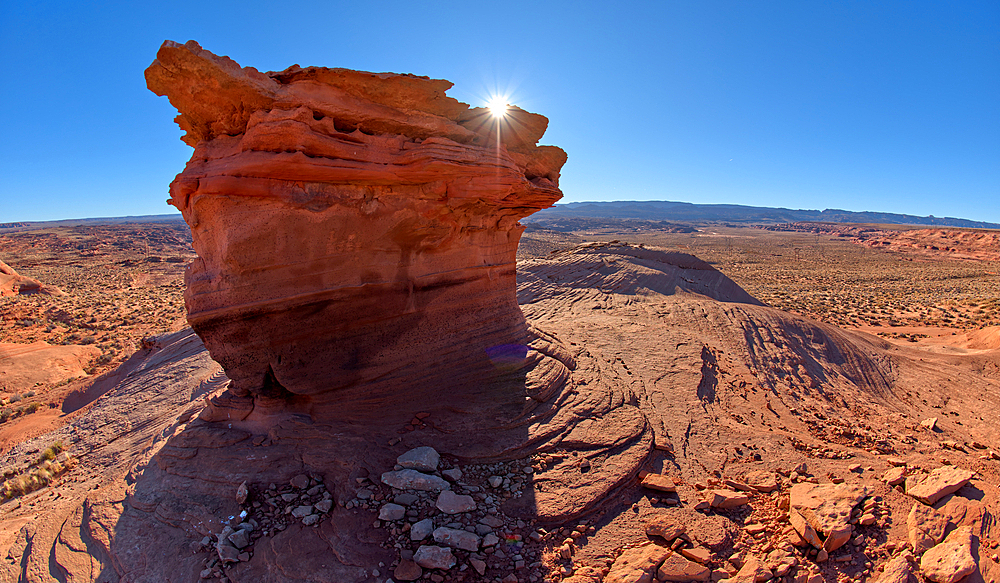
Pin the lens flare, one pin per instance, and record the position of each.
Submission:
(497, 106)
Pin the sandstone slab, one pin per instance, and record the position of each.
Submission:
(726, 498)
(827, 509)
(898, 570)
(414, 480)
(934, 486)
(677, 568)
(925, 527)
(895, 475)
(637, 565)
(664, 527)
(951, 560)
(659, 483)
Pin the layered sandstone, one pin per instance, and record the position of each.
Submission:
(356, 236)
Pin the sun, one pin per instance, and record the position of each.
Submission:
(497, 106)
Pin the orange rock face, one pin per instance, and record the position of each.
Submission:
(356, 232)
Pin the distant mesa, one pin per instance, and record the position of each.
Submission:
(663, 210)
(12, 284)
(356, 235)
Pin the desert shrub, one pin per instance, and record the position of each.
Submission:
(15, 398)
(4, 415)
(31, 408)
(29, 394)
(51, 452)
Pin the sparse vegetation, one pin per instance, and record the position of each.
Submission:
(114, 297)
(52, 463)
(835, 280)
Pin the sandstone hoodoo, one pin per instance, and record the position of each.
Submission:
(356, 236)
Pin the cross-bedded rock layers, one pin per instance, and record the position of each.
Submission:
(356, 236)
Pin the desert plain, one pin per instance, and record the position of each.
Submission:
(123, 286)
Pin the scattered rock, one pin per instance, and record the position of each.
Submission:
(951, 560)
(407, 570)
(302, 511)
(938, 484)
(422, 529)
(240, 539)
(697, 554)
(930, 423)
(434, 557)
(895, 475)
(926, 527)
(479, 566)
(391, 511)
(300, 482)
(827, 509)
(241, 493)
(408, 479)
(453, 474)
(658, 482)
(662, 526)
(752, 571)
(637, 565)
(725, 498)
(898, 570)
(456, 539)
(762, 481)
(677, 568)
(424, 459)
(452, 503)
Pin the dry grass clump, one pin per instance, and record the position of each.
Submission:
(52, 463)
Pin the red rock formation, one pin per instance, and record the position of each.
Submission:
(356, 235)
(12, 284)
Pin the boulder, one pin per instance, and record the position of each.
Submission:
(637, 564)
(456, 539)
(677, 568)
(414, 480)
(452, 503)
(925, 526)
(826, 509)
(424, 459)
(895, 475)
(659, 483)
(725, 498)
(434, 557)
(934, 486)
(951, 560)
(898, 570)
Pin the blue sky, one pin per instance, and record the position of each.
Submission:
(883, 106)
